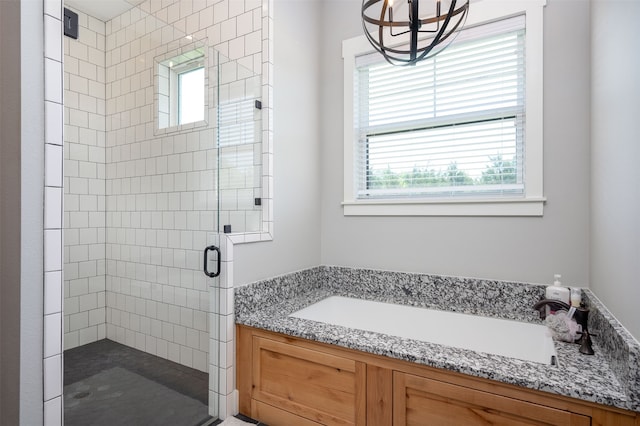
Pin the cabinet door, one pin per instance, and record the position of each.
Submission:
(420, 401)
(315, 385)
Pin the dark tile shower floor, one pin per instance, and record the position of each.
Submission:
(106, 383)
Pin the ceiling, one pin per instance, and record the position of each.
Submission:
(104, 10)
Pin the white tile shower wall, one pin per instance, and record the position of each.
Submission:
(223, 399)
(84, 184)
(160, 203)
(53, 238)
(228, 17)
(161, 188)
(227, 402)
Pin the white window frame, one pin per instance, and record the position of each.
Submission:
(168, 67)
(174, 90)
(532, 202)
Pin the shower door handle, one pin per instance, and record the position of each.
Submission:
(206, 270)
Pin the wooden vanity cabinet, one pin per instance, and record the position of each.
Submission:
(289, 381)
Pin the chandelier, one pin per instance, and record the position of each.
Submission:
(425, 24)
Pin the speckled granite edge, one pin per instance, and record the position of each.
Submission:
(276, 289)
(610, 377)
(621, 349)
(498, 299)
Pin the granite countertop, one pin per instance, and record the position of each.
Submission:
(609, 377)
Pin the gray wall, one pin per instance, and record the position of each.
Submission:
(615, 154)
(296, 244)
(598, 248)
(523, 249)
(9, 214)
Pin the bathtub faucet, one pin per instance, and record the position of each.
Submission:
(581, 316)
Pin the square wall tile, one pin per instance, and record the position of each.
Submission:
(53, 8)
(53, 120)
(52, 80)
(53, 165)
(214, 404)
(226, 354)
(227, 327)
(52, 377)
(53, 38)
(226, 301)
(228, 407)
(52, 334)
(52, 208)
(52, 292)
(53, 411)
(200, 360)
(52, 250)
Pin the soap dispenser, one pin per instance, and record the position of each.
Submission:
(557, 292)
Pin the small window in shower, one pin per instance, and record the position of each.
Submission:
(181, 89)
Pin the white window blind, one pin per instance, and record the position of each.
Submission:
(237, 122)
(451, 126)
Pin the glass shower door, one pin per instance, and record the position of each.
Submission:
(155, 171)
(162, 194)
(141, 202)
(239, 177)
(239, 148)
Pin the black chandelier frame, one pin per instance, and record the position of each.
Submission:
(415, 52)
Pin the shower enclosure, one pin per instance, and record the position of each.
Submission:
(162, 153)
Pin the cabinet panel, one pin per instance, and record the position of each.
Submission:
(379, 396)
(275, 416)
(321, 387)
(419, 401)
(608, 418)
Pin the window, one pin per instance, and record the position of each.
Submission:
(191, 95)
(453, 135)
(180, 89)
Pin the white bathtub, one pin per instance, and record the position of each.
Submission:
(513, 339)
